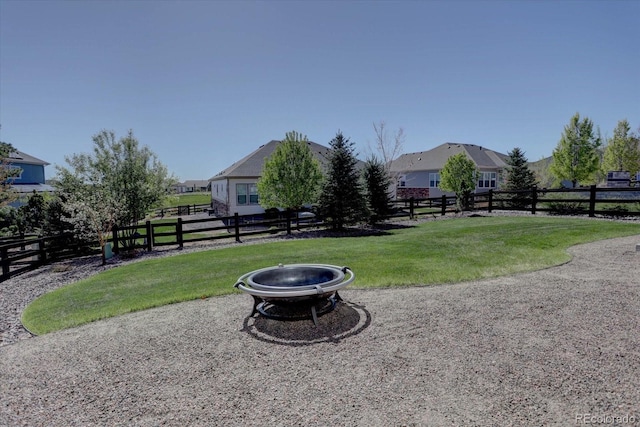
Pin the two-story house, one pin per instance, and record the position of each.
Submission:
(29, 176)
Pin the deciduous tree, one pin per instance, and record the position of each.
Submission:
(458, 175)
(388, 147)
(117, 184)
(7, 173)
(576, 157)
(291, 176)
(622, 152)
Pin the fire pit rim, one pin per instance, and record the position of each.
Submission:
(338, 275)
(296, 291)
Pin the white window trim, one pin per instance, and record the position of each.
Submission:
(248, 194)
(437, 180)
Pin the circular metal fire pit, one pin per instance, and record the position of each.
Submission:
(295, 291)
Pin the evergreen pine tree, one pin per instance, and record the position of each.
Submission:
(377, 182)
(342, 200)
(519, 177)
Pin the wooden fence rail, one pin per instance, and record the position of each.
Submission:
(181, 231)
(414, 207)
(591, 201)
(182, 210)
(18, 256)
(29, 254)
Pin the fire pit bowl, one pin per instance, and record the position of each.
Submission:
(292, 291)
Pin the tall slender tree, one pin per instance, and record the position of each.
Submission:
(622, 152)
(388, 147)
(519, 177)
(342, 201)
(576, 157)
(377, 182)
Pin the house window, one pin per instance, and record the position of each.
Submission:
(246, 194)
(434, 180)
(487, 180)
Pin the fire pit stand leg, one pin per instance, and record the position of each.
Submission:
(293, 312)
(256, 302)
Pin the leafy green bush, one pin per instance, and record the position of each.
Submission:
(567, 208)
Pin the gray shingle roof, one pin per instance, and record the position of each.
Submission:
(21, 157)
(435, 158)
(251, 165)
(194, 183)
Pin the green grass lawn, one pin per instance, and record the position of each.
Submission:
(429, 253)
(185, 199)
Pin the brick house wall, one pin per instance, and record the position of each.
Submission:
(403, 193)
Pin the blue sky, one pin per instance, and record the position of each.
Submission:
(203, 83)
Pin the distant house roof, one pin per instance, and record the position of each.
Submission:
(435, 158)
(21, 157)
(191, 183)
(251, 165)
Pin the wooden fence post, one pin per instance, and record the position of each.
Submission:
(534, 199)
(444, 205)
(592, 201)
(288, 221)
(149, 237)
(4, 253)
(179, 236)
(116, 246)
(411, 207)
(236, 224)
(43, 250)
(490, 208)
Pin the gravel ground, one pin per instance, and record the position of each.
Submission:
(541, 348)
